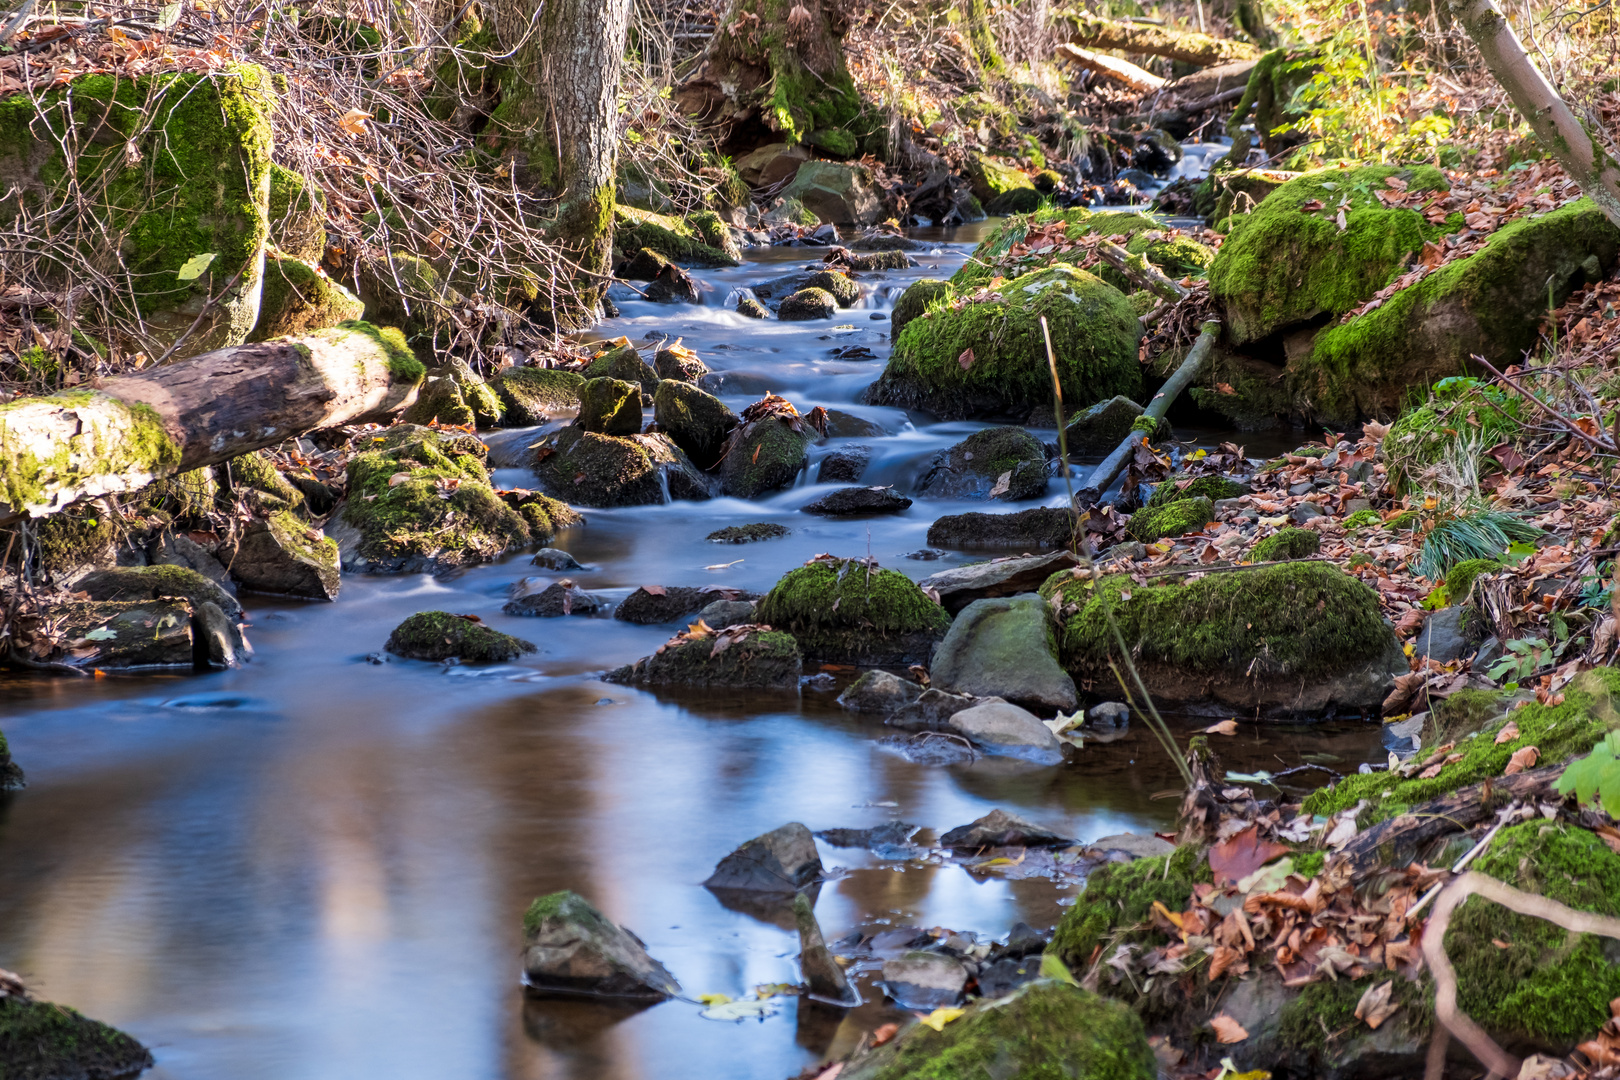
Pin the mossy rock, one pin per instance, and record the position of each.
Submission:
(1283, 265)
(1120, 897)
(919, 297)
(807, 304)
(255, 479)
(1238, 192)
(531, 396)
(545, 516)
(283, 556)
(748, 534)
(1024, 530)
(297, 214)
(1460, 578)
(75, 541)
(698, 240)
(1287, 544)
(1290, 638)
(439, 635)
(450, 403)
(845, 612)
(181, 167)
(768, 458)
(974, 467)
(986, 261)
(410, 526)
(1491, 304)
(764, 660)
(623, 362)
(40, 1040)
(610, 407)
(750, 308)
(130, 634)
(1094, 334)
(1177, 518)
(698, 422)
(140, 583)
(1044, 1030)
(408, 293)
(297, 299)
(11, 774)
(1178, 488)
(842, 288)
(583, 467)
(1001, 188)
(843, 193)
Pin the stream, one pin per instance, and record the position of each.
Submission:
(315, 866)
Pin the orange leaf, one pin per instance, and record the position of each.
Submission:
(1225, 727)
(1227, 1030)
(884, 1033)
(757, 449)
(1509, 732)
(1521, 760)
(1224, 388)
(354, 121)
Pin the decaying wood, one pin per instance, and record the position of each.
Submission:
(1091, 32)
(1139, 270)
(121, 434)
(1111, 67)
(1180, 113)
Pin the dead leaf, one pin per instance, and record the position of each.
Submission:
(1224, 388)
(966, 359)
(884, 1033)
(1233, 860)
(354, 121)
(1375, 1007)
(1225, 727)
(1509, 732)
(655, 590)
(1611, 836)
(1002, 486)
(1522, 760)
(757, 449)
(1227, 1030)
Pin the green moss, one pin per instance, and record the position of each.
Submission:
(266, 489)
(697, 422)
(457, 399)
(297, 299)
(605, 470)
(766, 660)
(1361, 519)
(990, 258)
(528, 395)
(1119, 899)
(1287, 544)
(546, 517)
(1460, 578)
(1548, 986)
(769, 458)
(1558, 731)
(1267, 620)
(843, 608)
(439, 635)
(297, 215)
(74, 538)
(1313, 1017)
(1172, 519)
(610, 406)
(42, 1039)
(130, 441)
(625, 363)
(1283, 264)
(1458, 414)
(1179, 488)
(139, 583)
(747, 534)
(998, 449)
(1094, 334)
(565, 904)
(1308, 864)
(1002, 189)
(844, 290)
(691, 242)
(402, 362)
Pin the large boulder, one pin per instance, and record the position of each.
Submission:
(770, 164)
(570, 948)
(695, 421)
(1001, 188)
(988, 357)
(840, 192)
(116, 634)
(1004, 252)
(623, 362)
(768, 456)
(806, 305)
(1101, 428)
(917, 298)
(285, 556)
(455, 396)
(755, 659)
(1296, 638)
(534, 395)
(999, 463)
(1005, 647)
(135, 583)
(1000, 727)
(298, 298)
(439, 635)
(605, 470)
(700, 239)
(850, 612)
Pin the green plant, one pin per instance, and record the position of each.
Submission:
(1526, 656)
(1596, 774)
(1456, 536)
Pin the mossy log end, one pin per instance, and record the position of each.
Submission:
(1090, 32)
(123, 433)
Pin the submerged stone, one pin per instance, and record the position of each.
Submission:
(748, 534)
(570, 948)
(846, 611)
(1005, 647)
(924, 981)
(11, 774)
(439, 635)
(879, 691)
(1001, 829)
(783, 860)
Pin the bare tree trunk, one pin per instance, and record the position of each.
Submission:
(1557, 128)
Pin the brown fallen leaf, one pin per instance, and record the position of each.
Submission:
(1509, 732)
(1227, 1030)
(1233, 860)
(1611, 836)
(757, 449)
(1375, 1007)
(354, 121)
(966, 359)
(1224, 389)
(1522, 760)
(655, 590)
(884, 1033)
(1225, 727)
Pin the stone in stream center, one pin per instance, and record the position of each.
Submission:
(570, 948)
(878, 691)
(852, 501)
(1001, 829)
(823, 979)
(534, 596)
(1000, 727)
(652, 604)
(1025, 530)
(439, 635)
(924, 981)
(783, 860)
(961, 585)
(1005, 647)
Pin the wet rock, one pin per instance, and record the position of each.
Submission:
(844, 465)
(878, 691)
(749, 307)
(925, 555)
(645, 265)
(136, 583)
(610, 407)
(836, 192)
(807, 304)
(624, 362)
(697, 422)
(1001, 977)
(571, 948)
(885, 241)
(545, 516)
(877, 260)
(534, 395)
(1003, 463)
(851, 501)
(216, 637)
(1136, 845)
(843, 425)
(768, 458)
(851, 612)
(924, 981)
(748, 534)
(283, 556)
(843, 290)
(628, 470)
(534, 596)
(661, 604)
(1101, 428)
(932, 711)
(11, 774)
(752, 383)
(962, 585)
(1027, 530)
(783, 860)
(1000, 727)
(1005, 647)
(680, 364)
(439, 635)
(1001, 188)
(723, 613)
(823, 979)
(41, 1040)
(514, 448)
(760, 660)
(916, 300)
(1001, 829)
(126, 635)
(555, 559)
(1109, 714)
(894, 834)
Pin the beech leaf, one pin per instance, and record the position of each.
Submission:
(966, 359)
(1233, 860)
(1227, 1030)
(1522, 760)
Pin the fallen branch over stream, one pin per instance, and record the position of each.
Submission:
(1091, 32)
(123, 433)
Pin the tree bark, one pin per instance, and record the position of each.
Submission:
(1556, 127)
(1111, 67)
(1090, 32)
(126, 432)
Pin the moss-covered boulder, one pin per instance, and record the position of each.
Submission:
(1041, 1031)
(758, 660)
(843, 193)
(297, 298)
(679, 363)
(750, 308)
(1175, 254)
(74, 542)
(546, 517)
(700, 239)
(41, 1040)
(1000, 463)
(988, 358)
(1001, 188)
(439, 635)
(1287, 544)
(843, 289)
(610, 407)
(180, 163)
(297, 212)
(769, 457)
(623, 362)
(1120, 896)
(11, 774)
(406, 292)
(421, 501)
(583, 467)
(1239, 192)
(919, 297)
(1491, 304)
(126, 635)
(137, 583)
(1170, 519)
(807, 304)
(456, 397)
(844, 611)
(1288, 262)
(532, 396)
(254, 479)
(284, 556)
(697, 422)
(1298, 637)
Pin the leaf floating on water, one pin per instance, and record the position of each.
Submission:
(1227, 1030)
(714, 999)
(745, 1009)
(942, 1016)
(723, 565)
(1225, 727)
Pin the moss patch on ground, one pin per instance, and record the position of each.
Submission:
(1178, 488)
(844, 611)
(1287, 544)
(1119, 898)
(1171, 519)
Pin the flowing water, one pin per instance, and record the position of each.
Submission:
(315, 866)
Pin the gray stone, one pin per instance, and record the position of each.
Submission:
(783, 860)
(1000, 727)
(771, 164)
(1109, 714)
(285, 557)
(570, 948)
(1355, 506)
(932, 711)
(654, 604)
(844, 465)
(853, 501)
(555, 559)
(893, 835)
(1445, 635)
(837, 192)
(962, 585)
(823, 979)
(1102, 427)
(1001, 829)
(723, 613)
(1001, 463)
(1304, 487)
(1003, 976)
(1304, 512)
(696, 421)
(219, 634)
(178, 549)
(1136, 845)
(924, 980)
(547, 599)
(1005, 647)
(878, 691)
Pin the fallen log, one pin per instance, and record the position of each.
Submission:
(1140, 271)
(121, 434)
(1186, 112)
(1091, 32)
(1123, 72)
